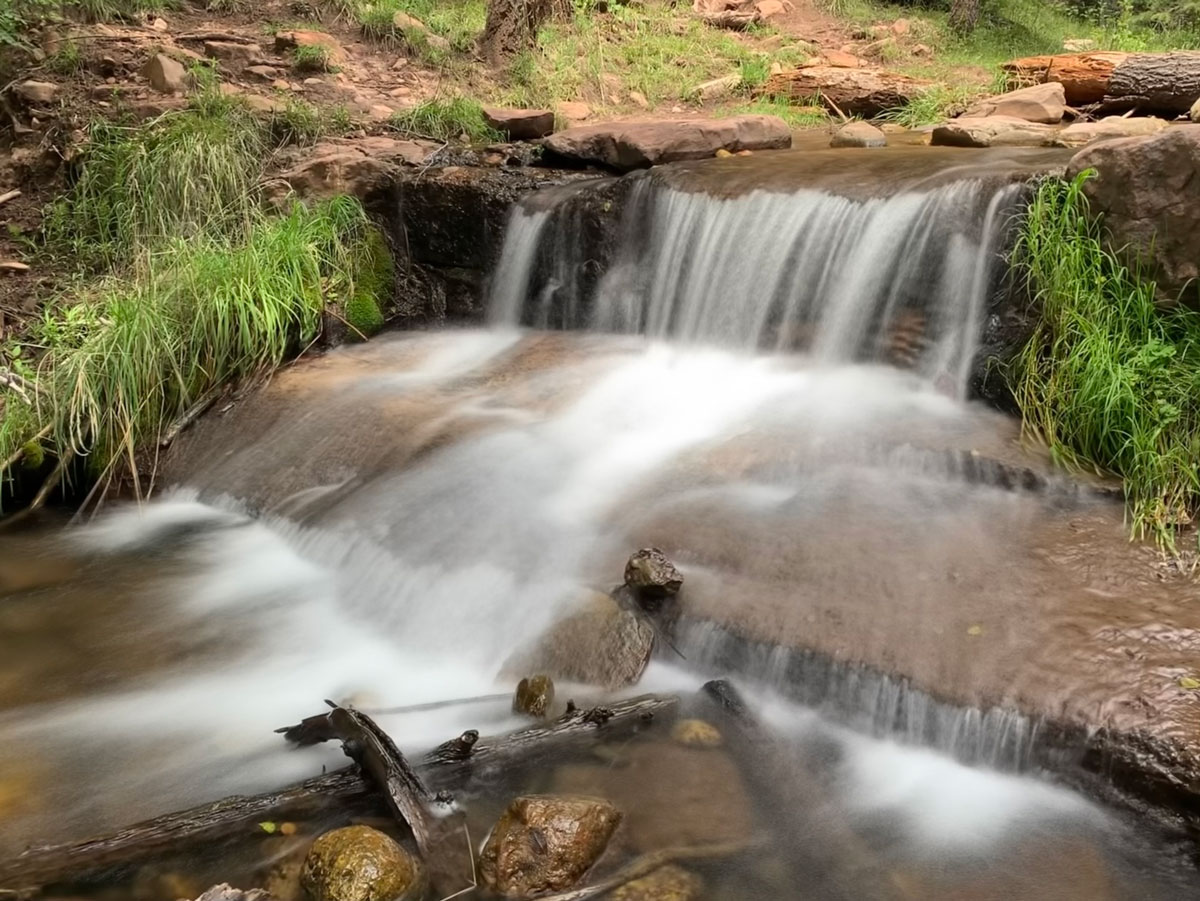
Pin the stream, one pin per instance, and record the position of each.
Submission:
(773, 387)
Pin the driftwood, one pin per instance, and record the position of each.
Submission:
(1148, 82)
(27, 873)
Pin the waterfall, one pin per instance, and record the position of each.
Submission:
(901, 279)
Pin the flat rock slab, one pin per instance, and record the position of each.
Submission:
(625, 146)
(349, 166)
(1109, 127)
(992, 131)
(1045, 103)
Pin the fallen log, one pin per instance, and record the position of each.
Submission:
(25, 875)
(852, 92)
(1147, 82)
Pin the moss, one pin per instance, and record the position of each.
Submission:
(34, 455)
(373, 283)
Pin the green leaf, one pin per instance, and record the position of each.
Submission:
(1191, 683)
(268, 827)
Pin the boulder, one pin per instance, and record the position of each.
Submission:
(167, 76)
(1109, 127)
(232, 51)
(39, 92)
(344, 166)
(520, 124)
(546, 843)
(1148, 191)
(358, 863)
(625, 146)
(1038, 103)
(991, 131)
(858, 134)
(226, 892)
(290, 40)
(649, 574)
(669, 883)
(534, 696)
(598, 644)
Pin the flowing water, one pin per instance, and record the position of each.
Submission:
(769, 385)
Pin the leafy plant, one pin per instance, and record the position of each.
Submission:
(1107, 379)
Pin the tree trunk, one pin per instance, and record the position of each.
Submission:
(512, 25)
(854, 92)
(1148, 82)
(964, 16)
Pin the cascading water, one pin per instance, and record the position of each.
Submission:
(876, 562)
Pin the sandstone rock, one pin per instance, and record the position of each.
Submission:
(165, 75)
(719, 88)
(380, 112)
(650, 574)
(37, 92)
(1148, 191)
(991, 131)
(534, 696)
(696, 734)
(546, 843)
(858, 134)
(159, 24)
(226, 892)
(405, 22)
(771, 9)
(573, 111)
(1038, 103)
(264, 73)
(634, 145)
(597, 644)
(901, 27)
(231, 51)
(669, 883)
(290, 40)
(1109, 127)
(841, 59)
(639, 99)
(672, 796)
(358, 863)
(520, 124)
(1194, 112)
(338, 166)
(866, 91)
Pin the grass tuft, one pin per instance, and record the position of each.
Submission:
(933, 105)
(1107, 379)
(446, 120)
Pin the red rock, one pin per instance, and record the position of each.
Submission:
(520, 124)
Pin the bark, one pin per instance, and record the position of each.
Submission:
(964, 15)
(854, 92)
(1167, 83)
(25, 875)
(512, 25)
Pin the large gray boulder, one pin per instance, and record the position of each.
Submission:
(1148, 191)
(991, 131)
(1044, 103)
(625, 146)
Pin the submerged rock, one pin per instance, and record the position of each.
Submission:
(696, 734)
(858, 134)
(669, 883)
(546, 843)
(599, 644)
(534, 695)
(358, 863)
(650, 575)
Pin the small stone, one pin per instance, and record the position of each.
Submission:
(921, 50)
(37, 91)
(110, 80)
(901, 27)
(404, 22)
(696, 734)
(167, 76)
(535, 694)
(232, 51)
(159, 24)
(380, 112)
(520, 124)
(573, 111)
(13, 266)
(744, 153)
(639, 99)
(313, 80)
(651, 575)
(841, 59)
(280, 84)
(669, 883)
(266, 73)
(858, 134)
(358, 863)
(719, 88)
(401, 91)
(400, 63)
(722, 153)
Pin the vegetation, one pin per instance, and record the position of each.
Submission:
(445, 120)
(1107, 379)
(312, 58)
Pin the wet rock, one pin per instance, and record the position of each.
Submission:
(858, 134)
(1109, 127)
(226, 892)
(635, 145)
(534, 696)
(599, 644)
(1044, 103)
(290, 40)
(696, 734)
(520, 124)
(232, 52)
(671, 795)
(1194, 112)
(342, 166)
(1148, 191)
(358, 863)
(38, 92)
(546, 843)
(669, 883)
(649, 574)
(166, 75)
(991, 131)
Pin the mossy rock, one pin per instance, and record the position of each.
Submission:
(358, 863)
(35, 455)
(534, 696)
(696, 734)
(363, 314)
(373, 279)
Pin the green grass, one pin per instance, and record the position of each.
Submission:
(312, 58)
(812, 116)
(933, 105)
(1108, 380)
(446, 120)
(458, 21)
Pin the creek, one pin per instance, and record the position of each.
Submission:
(770, 379)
